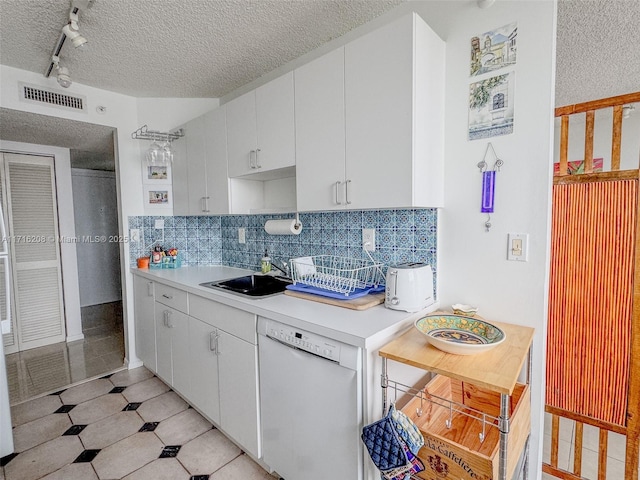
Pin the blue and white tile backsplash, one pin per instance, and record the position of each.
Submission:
(401, 236)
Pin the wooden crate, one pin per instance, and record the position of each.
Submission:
(458, 451)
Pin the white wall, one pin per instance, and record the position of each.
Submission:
(472, 262)
(66, 228)
(126, 114)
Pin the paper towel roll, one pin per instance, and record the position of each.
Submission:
(283, 227)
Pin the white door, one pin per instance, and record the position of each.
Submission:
(241, 134)
(238, 369)
(28, 186)
(204, 371)
(320, 133)
(275, 124)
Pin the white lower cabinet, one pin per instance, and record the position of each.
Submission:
(238, 369)
(145, 322)
(207, 352)
(203, 345)
(172, 348)
(235, 345)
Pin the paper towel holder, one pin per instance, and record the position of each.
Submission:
(291, 229)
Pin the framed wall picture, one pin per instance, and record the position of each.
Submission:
(156, 197)
(156, 174)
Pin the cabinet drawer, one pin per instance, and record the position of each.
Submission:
(236, 322)
(172, 297)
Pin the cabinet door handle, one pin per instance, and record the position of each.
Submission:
(258, 158)
(252, 159)
(204, 202)
(165, 318)
(346, 192)
(213, 341)
(217, 338)
(168, 297)
(338, 202)
(169, 323)
(150, 289)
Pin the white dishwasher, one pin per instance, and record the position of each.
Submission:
(311, 404)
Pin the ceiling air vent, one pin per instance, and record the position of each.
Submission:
(53, 98)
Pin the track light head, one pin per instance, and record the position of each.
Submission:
(71, 32)
(64, 79)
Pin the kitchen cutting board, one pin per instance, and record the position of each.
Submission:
(361, 303)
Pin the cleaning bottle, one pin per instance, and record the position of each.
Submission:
(265, 262)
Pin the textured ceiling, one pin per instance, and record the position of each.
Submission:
(598, 49)
(208, 48)
(168, 48)
(91, 145)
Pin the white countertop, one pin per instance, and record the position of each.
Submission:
(358, 328)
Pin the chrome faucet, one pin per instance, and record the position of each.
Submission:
(282, 266)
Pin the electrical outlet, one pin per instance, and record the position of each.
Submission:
(369, 239)
(241, 235)
(159, 224)
(518, 247)
(134, 235)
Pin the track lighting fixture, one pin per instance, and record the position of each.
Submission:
(627, 110)
(62, 73)
(71, 30)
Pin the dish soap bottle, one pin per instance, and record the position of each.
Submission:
(265, 263)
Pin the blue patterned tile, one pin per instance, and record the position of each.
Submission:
(404, 218)
(354, 238)
(386, 237)
(386, 219)
(180, 222)
(404, 238)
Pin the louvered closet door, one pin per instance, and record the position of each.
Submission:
(33, 226)
(10, 340)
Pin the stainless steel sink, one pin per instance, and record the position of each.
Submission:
(252, 285)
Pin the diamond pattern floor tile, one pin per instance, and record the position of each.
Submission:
(38, 431)
(145, 390)
(74, 471)
(129, 377)
(207, 453)
(127, 456)
(97, 409)
(43, 459)
(111, 430)
(34, 409)
(86, 391)
(182, 428)
(161, 469)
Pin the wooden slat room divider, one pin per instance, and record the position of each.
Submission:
(593, 335)
(590, 298)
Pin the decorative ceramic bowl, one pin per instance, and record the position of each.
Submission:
(462, 309)
(459, 334)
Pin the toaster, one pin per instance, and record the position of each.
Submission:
(409, 287)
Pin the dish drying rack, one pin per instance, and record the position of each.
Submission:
(337, 274)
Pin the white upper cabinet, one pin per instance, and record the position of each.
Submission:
(260, 129)
(320, 133)
(369, 122)
(200, 181)
(394, 103)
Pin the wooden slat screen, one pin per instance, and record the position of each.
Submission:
(590, 298)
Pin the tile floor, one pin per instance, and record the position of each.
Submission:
(45, 369)
(590, 442)
(128, 425)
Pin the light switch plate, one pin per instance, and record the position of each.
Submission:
(518, 247)
(134, 235)
(159, 224)
(241, 235)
